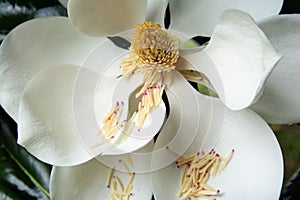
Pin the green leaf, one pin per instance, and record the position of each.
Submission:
(22, 176)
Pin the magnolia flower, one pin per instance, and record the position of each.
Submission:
(62, 86)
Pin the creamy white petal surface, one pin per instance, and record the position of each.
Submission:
(183, 120)
(156, 11)
(138, 161)
(237, 60)
(199, 17)
(46, 124)
(88, 181)
(56, 42)
(254, 172)
(93, 92)
(279, 103)
(101, 18)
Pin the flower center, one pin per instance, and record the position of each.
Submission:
(152, 49)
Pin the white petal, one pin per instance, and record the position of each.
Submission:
(26, 51)
(156, 11)
(254, 172)
(93, 92)
(183, 65)
(88, 181)
(101, 18)
(108, 88)
(237, 60)
(183, 120)
(46, 122)
(64, 3)
(202, 15)
(138, 161)
(280, 100)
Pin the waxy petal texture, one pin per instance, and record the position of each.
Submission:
(101, 18)
(156, 11)
(89, 181)
(237, 60)
(257, 153)
(183, 119)
(199, 17)
(46, 120)
(279, 103)
(49, 42)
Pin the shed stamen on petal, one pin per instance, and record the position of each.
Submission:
(111, 124)
(197, 170)
(151, 98)
(117, 188)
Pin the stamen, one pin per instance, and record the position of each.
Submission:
(173, 151)
(128, 127)
(226, 161)
(125, 167)
(151, 98)
(128, 159)
(118, 189)
(196, 174)
(112, 125)
(119, 183)
(108, 181)
(111, 121)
